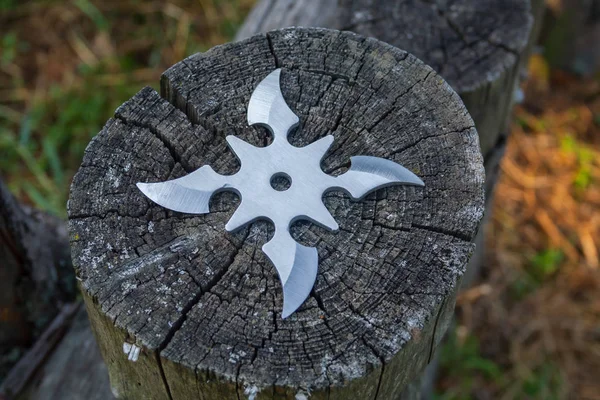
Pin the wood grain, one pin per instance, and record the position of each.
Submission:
(479, 47)
(202, 304)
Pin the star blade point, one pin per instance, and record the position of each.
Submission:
(268, 108)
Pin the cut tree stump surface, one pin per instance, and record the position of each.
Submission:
(202, 306)
(477, 46)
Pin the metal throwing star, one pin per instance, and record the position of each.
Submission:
(301, 167)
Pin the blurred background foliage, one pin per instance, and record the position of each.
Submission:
(66, 65)
(529, 329)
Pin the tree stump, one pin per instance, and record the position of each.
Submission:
(478, 46)
(475, 45)
(183, 309)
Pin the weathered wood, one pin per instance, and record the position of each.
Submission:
(182, 309)
(22, 372)
(75, 370)
(36, 276)
(478, 46)
(475, 45)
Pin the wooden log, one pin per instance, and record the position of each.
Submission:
(74, 371)
(475, 45)
(36, 276)
(22, 372)
(478, 46)
(182, 309)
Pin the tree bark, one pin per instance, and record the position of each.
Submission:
(182, 309)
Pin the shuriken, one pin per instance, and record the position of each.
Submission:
(296, 264)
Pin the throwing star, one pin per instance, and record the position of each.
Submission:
(300, 167)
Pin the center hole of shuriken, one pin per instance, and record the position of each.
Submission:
(281, 181)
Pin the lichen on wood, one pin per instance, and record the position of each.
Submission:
(202, 304)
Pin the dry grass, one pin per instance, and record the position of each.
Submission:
(66, 65)
(536, 313)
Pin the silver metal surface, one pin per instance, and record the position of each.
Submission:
(295, 263)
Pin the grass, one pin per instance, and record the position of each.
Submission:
(469, 373)
(61, 124)
(585, 160)
(66, 66)
(465, 366)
